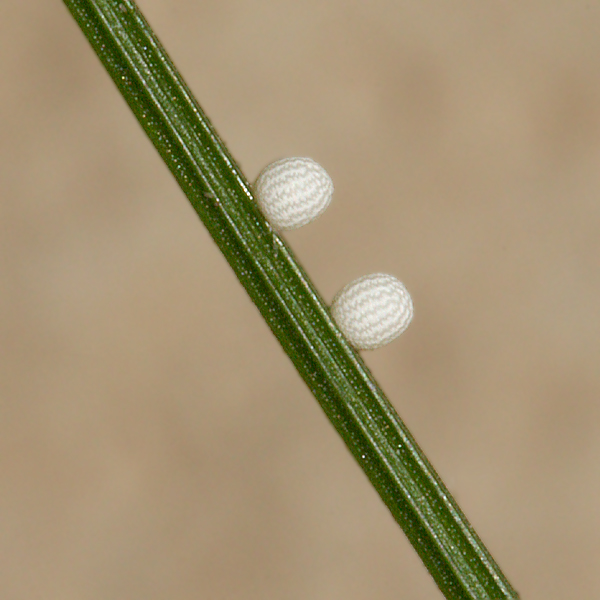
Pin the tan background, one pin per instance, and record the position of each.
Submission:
(155, 443)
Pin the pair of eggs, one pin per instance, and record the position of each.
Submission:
(370, 311)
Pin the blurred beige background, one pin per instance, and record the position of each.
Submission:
(156, 443)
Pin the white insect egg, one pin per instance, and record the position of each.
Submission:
(293, 192)
(372, 310)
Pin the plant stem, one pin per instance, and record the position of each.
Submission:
(294, 310)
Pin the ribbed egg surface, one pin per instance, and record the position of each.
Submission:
(292, 192)
(372, 310)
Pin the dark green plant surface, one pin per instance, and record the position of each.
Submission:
(294, 310)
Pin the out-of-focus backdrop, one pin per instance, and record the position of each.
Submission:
(156, 443)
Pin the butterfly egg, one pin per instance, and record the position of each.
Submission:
(372, 310)
(293, 192)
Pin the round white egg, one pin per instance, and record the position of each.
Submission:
(372, 310)
(293, 192)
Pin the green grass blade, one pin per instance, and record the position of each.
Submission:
(295, 312)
